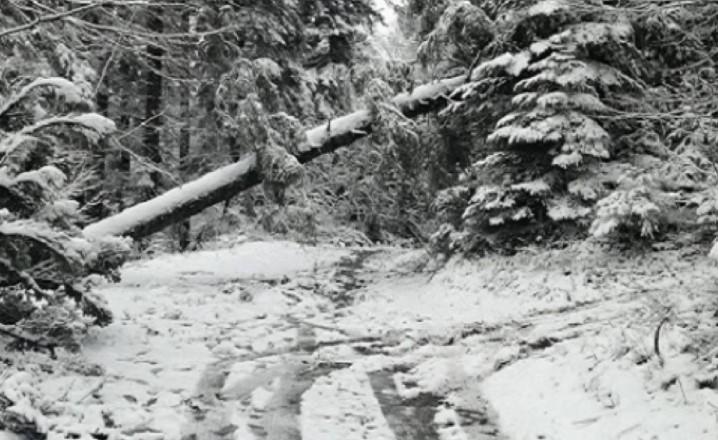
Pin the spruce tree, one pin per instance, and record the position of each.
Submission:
(566, 131)
(46, 133)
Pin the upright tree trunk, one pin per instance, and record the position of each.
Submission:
(98, 195)
(153, 99)
(184, 228)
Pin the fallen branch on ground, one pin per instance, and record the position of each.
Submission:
(28, 340)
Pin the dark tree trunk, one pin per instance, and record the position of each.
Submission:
(122, 166)
(153, 99)
(97, 195)
(184, 227)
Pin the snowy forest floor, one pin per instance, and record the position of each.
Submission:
(276, 340)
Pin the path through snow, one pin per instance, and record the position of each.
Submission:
(274, 340)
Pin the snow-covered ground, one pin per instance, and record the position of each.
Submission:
(283, 341)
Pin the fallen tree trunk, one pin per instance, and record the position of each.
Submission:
(191, 198)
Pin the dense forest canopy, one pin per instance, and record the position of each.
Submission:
(494, 125)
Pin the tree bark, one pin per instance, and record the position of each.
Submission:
(97, 196)
(187, 200)
(153, 99)
(185, 226)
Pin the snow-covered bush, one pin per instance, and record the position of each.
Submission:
(43, 255)
(634, 208)
(19, 402)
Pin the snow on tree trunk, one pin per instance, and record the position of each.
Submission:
(189, 199)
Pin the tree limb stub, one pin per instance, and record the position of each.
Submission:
(191, 198)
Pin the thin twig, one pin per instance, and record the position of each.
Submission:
(657, 340)
(295, 320)
(49, 18)
(680, 384)
(627, 430)
(107, 63)
(63, 398)
(93, 390)
(145, 162)
(472, 66)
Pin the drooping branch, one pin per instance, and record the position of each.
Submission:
(13, 275)
(189, 199)
(69, 90)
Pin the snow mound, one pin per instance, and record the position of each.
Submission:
(564, 396)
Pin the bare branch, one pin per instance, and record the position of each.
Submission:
(49, 18)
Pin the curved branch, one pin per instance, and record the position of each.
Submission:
(22, 277)
(24, 93)
(41, 237)
(94, 124)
